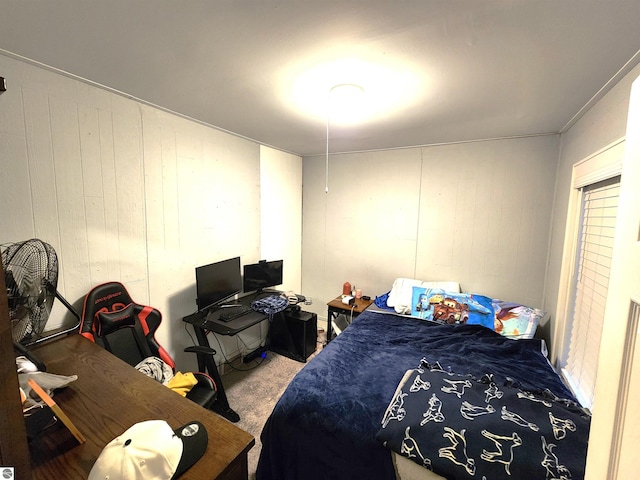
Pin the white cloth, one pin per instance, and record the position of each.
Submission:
(156, 368)
(402, 291)
(48, 381)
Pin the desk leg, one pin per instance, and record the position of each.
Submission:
(207, 363)
(331, 316)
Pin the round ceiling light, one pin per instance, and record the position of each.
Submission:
(384, 90)
(347, 104)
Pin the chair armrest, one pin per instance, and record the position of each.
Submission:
(199, 349)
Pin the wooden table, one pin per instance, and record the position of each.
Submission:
(107, 398)
(335, 307)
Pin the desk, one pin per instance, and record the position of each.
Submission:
(335, 307)
(213, 323)
(202, 323)
(107, 398)
(211, 320)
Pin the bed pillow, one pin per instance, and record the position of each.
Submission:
(516, 321)
(442, 306)
(400, 296)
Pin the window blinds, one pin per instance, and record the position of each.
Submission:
(593, 263)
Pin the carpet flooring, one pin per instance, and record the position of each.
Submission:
(253, 390)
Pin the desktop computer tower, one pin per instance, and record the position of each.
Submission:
(294, 334)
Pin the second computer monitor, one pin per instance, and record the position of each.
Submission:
(261, 275)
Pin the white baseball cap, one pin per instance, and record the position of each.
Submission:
(151, 450)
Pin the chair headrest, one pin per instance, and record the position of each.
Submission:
(109, 322)
(106, 297)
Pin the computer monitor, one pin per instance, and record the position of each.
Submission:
(217, 282)
(261, 275)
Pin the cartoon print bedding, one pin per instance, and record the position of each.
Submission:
(326, 423)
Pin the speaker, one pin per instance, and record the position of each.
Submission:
(294, 334)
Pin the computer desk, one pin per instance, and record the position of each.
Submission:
(107, 398)
(203, 323)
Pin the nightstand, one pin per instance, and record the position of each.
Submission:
(335, 307)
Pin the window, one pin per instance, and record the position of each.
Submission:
(599, 205)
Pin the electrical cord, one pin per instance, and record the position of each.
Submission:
(230, 362)
(189, 333)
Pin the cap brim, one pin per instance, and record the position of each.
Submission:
(194, 443)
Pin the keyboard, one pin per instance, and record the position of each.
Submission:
(229, 312)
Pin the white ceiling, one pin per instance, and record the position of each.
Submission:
(480, 68)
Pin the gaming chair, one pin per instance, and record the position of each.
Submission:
(111, 319)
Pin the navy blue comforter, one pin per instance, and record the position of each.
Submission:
(325, 424)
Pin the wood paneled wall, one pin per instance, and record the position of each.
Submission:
(477, 213)
(126, 191)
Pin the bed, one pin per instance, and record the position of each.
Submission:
(361, 408)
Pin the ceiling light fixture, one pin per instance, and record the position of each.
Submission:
(344, 105)
(391, 87)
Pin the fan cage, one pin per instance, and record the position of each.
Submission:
(31, 277)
